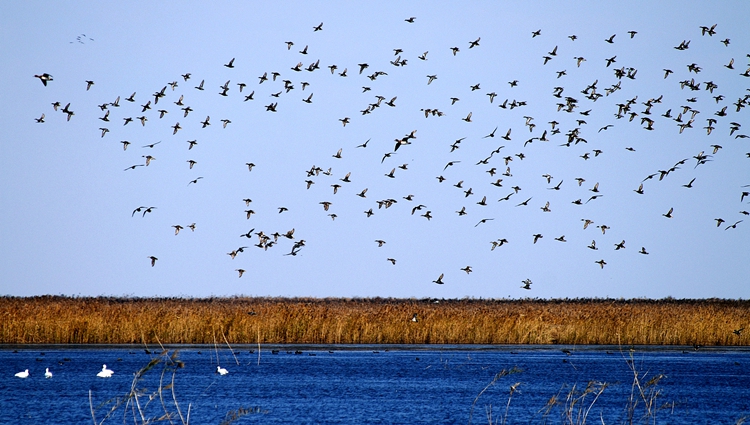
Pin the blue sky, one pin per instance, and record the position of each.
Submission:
(67, 223)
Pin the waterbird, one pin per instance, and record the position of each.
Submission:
(24, 374)
(44, 78)
(221, 371)
(105, 373)
(47, 373)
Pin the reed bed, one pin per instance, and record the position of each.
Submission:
(245, 320)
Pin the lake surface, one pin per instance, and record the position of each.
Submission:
(381, 384)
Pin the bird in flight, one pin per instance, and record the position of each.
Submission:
(44, 78)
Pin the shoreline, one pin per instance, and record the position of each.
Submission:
(385, 348)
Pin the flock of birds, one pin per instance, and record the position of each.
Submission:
(718, 115)
(104, 373)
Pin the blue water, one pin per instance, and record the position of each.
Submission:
(378, 384)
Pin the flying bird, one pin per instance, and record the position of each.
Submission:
(44, 78)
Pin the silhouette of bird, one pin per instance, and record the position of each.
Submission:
(526, 284)
(439, 280)
(733, 226)
(44, 78)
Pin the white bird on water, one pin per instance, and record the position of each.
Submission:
(24, 374)
(105, 373)
(47, 374)
(221, 370)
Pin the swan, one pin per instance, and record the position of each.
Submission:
(47, 374)
(105, 373)
(221, 370)
(24, 374)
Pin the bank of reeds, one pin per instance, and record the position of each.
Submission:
(241, 320)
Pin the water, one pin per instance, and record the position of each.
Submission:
(377, 384)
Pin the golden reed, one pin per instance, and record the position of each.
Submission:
(243, 320)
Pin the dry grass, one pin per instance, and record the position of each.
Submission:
(106, 320)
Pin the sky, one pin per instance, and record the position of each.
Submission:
(68, 219)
